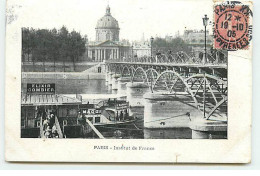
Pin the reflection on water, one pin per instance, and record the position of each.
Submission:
(173, 133)
(157, 133)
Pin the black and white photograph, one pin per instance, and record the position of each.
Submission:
(158, 81)
(114, 78)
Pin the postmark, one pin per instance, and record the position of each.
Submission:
(232, 26)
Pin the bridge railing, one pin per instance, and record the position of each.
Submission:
(211, 58)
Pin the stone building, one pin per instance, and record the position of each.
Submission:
(107, 44)
(107, 28)
(196, 39)
(142, 48)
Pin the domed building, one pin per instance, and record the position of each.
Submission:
(107, 45)
(107, 28)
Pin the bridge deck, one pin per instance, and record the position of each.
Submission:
(224, 66)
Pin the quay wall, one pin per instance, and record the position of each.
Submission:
(57, 66)
(62, 75)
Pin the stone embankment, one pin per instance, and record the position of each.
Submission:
(62, 75)
(95, 72)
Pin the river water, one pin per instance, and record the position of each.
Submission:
(73, 86)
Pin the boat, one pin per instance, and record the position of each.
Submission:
(72, 115)
(108, 115)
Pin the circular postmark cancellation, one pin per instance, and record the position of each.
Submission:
(232, 29)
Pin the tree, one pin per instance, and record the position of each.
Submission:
(52, 45)
(173, 45)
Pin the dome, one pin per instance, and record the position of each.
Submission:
(107, 21)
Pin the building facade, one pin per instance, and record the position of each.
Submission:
(142, 48)
(107, 44)
(196, 40)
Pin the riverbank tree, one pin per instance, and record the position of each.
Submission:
(173, 45)
(45, 45)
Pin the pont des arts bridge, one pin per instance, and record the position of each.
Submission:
(175, 85)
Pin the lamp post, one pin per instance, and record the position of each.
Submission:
(205, 23)
(132, 52)
(151, 40)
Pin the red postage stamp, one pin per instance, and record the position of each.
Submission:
(232, 29)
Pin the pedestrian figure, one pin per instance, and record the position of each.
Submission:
(55, 132)
(126, 114)
(52, 120)
(45, 124)
(121, 116)
(47, 132)
(201, 56)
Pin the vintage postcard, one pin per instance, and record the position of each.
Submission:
(163, 81)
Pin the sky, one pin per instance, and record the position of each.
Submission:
(135, 17)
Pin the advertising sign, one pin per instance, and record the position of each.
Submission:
(40, 88)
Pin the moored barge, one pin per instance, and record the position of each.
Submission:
(72, 116)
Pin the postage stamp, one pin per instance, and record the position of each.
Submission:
(232, 26)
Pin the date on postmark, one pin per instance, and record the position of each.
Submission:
(232, 26)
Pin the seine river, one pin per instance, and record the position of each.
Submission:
(72, 86)
(67, 86)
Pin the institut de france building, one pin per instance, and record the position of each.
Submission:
(107, 45)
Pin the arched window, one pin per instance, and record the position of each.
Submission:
(107, 36)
